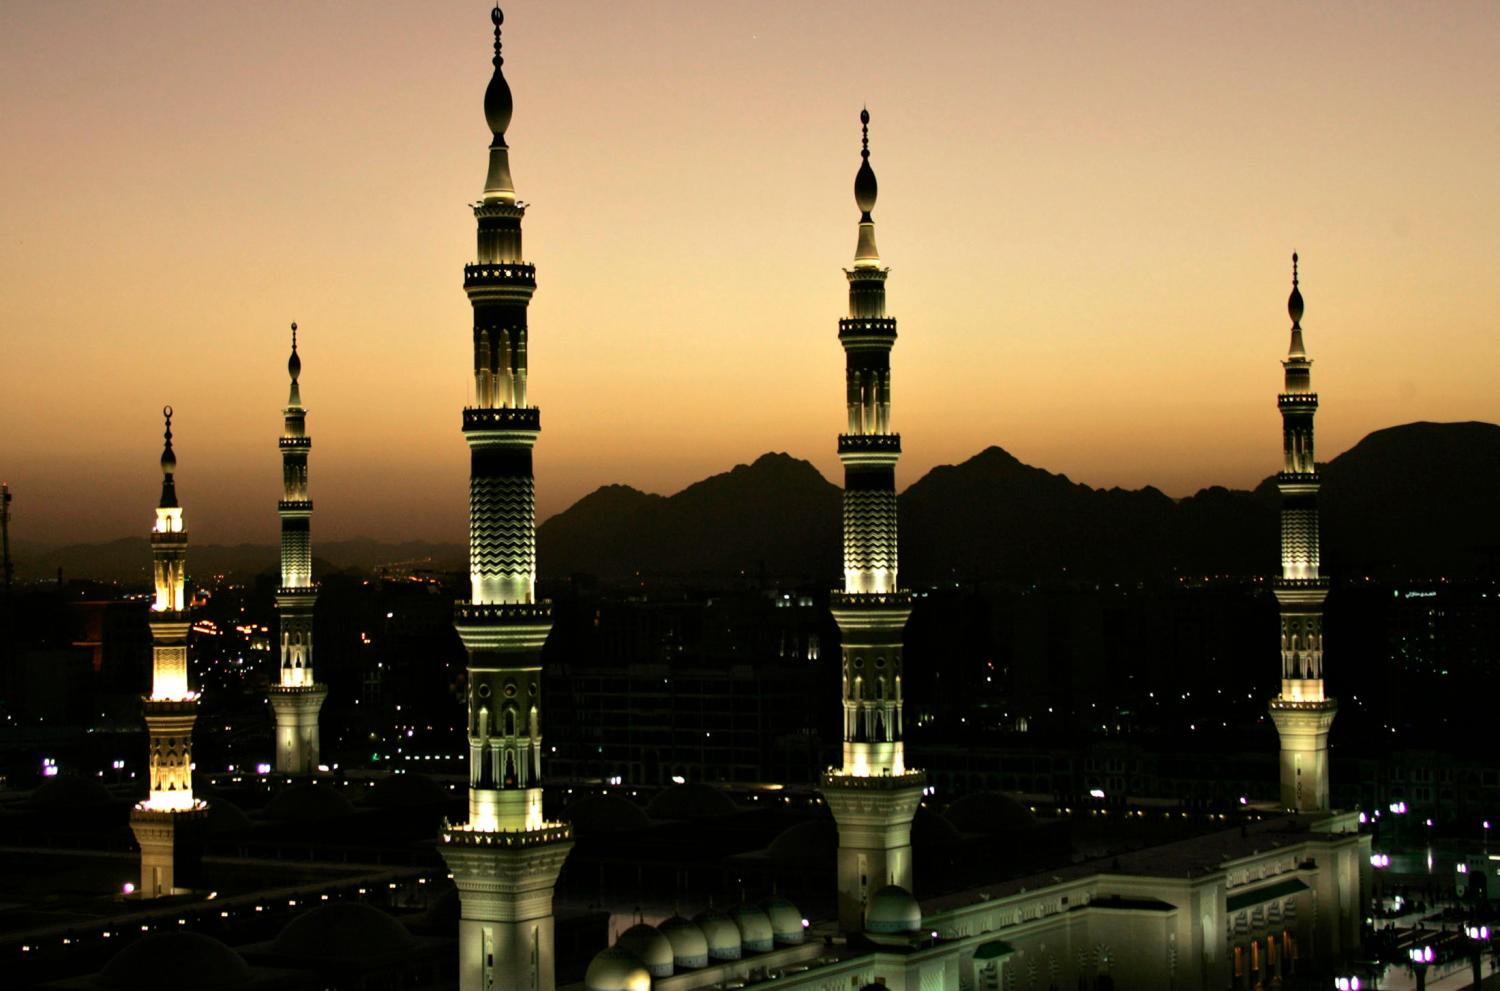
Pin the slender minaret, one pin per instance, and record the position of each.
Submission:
(506, 858)
(1301, 711)
(296, 697)
(167, 824)
(874, 795)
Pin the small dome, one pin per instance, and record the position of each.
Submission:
(689, 948)
(616, 969)
(308, 803)
(786, 921)
(989, 812)
(168, 961)
(723, 936)
(341, 930)
(892, 910)
(929, 828)
(755, 929)
(650, 947)
(693, 800)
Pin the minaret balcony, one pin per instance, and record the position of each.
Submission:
(878, 330)
(502, 418)
(1299, 482)
(499, 275)
(294, 507)
(1297, 401)
(869, 600)
(502, 612)
(466, 835)
(869, 449)
(294, 443)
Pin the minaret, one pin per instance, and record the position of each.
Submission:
(506, 858)
(296, 697)
(874, 795)
(1301, 711)
(169, 822)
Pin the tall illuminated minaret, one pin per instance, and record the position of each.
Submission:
(506, 858)
(1301, 711)
(296, 698)
(874, 795)
(167, 824)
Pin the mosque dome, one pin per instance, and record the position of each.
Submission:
(693, 800)
(406, 791)
(226, 817)
(168, 961)
(689, 947)
(815, 841)
(893, 911)
(308, 803)
(650, 947)
(989, 812)
(755, 929)
(342, 930)
(598, 814)
(70, 791)
(723, 936)
(616, 969)
(785, 919)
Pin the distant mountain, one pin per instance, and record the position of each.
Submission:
(1417, 499)
(778, 516)
(1406, 502)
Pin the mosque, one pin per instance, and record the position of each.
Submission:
(1254, 905)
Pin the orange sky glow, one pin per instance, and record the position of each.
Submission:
(1088, 210)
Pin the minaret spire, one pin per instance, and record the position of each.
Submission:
(505, 928)
(873, 796)
(296, 697)
(1301, 710)
(167, 823)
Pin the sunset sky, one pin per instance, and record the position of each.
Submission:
(1088, 210)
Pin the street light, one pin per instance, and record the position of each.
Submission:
(1478, 936)
(1421, 959)
(1346, 984)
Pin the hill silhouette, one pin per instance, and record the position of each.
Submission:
(778, 516)
(1410, 501)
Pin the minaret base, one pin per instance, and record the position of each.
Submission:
(296, 710)
(171, 848)
(1303, 727)
(505, 883)
(874, 818)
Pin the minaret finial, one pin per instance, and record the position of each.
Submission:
(497, 17)
(864, 127)
(1294, 301)
(294, 363)
(168, 463)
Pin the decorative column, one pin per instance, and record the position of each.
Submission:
(1301, 712)
(873, 796)
(506, 858)
(296, 698)
(168, 825)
